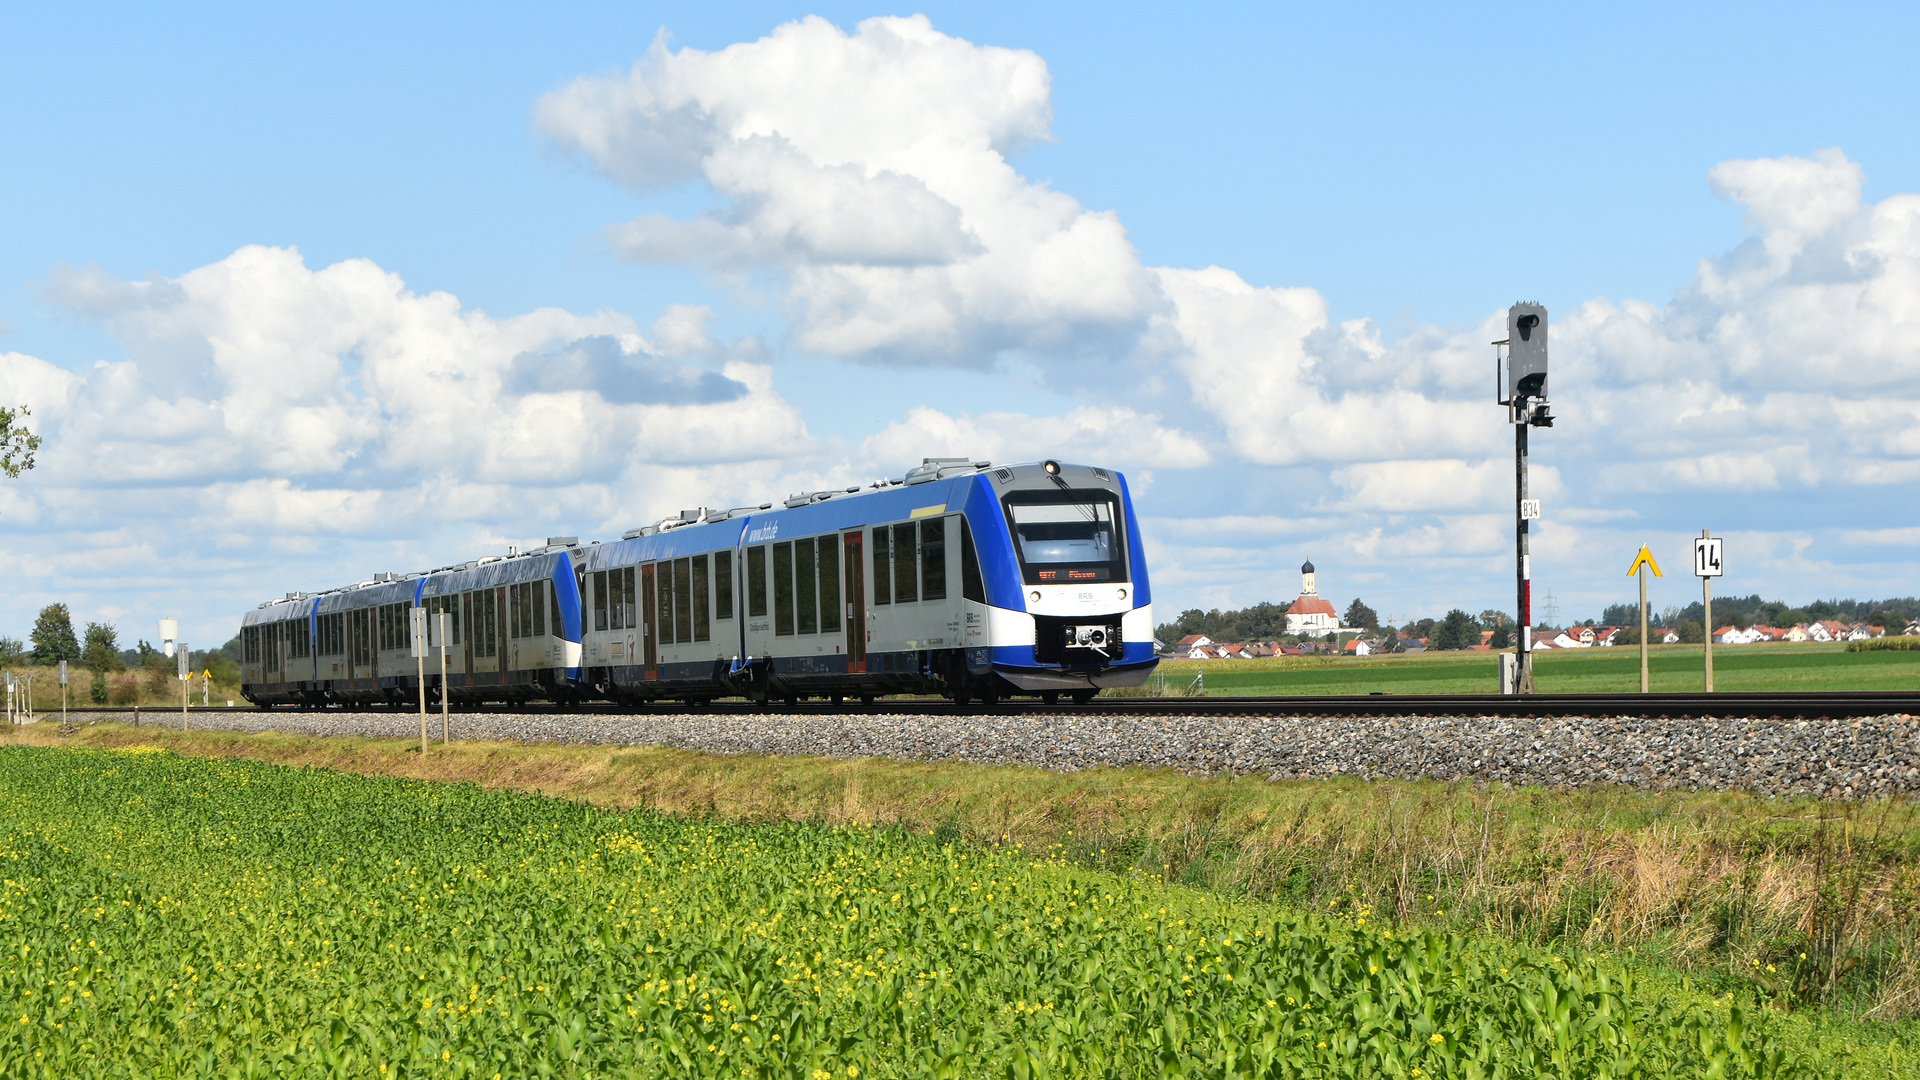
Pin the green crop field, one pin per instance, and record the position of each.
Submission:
(165, 916)
(1670, 667)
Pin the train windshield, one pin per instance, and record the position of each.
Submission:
(1067, 537)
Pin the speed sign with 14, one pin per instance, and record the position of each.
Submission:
(1706, 557)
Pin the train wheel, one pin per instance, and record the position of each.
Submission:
(866, 699)
(1049, 697)
(1081, 697)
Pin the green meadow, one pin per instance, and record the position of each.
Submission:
(1583, 671)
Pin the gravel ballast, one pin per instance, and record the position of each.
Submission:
(1844, 758)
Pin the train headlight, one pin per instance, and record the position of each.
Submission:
(1123, 594)
(1034, 596)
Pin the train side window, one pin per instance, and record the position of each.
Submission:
(682, 600)
(514, 610)
(524, 619)
(553, 611)
(906, 585)
(600, 600)
(882, 565)
(933, 559)
(972, 586)
(633, 602)
(757, 582)
(702, 630)
(723, 584)
(492, 597)
(783, 587)
(803, 582)
(542, 589)
(829, 547)
(380, 627)
(663, 601)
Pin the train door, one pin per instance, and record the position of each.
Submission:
(500, 648)
(856, 597)
(463, 611)
(650, 625)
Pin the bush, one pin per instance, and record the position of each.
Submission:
(97, 692)
(124, 690)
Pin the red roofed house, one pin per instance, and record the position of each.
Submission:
(1310, 614)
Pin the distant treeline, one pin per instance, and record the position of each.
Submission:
(1268, 621)
(1744, 611)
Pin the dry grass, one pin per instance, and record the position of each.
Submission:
(1722, 886)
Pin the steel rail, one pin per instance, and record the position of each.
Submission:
(1781, 705)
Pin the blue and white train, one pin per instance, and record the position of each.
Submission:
(963, 579)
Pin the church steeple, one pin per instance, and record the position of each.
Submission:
(1306, 579)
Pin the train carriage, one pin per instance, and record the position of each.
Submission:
(276, 652)
(660, 611)
(363, 652)
(515, 626)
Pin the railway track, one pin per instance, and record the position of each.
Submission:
(1824, 705)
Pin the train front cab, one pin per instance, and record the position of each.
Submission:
(919, 588)
(1069, 606)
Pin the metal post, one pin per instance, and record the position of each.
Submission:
(443, 622)
(420, 669)
(1706, 603)
(186, 679)
(1523, 656)
(63, 693)
(1643, 629)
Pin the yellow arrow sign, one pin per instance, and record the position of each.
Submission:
(207, 674)
(1645, 557)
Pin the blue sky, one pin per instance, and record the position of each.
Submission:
(1408, 171)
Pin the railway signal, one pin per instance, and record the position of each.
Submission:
(1707, 565)
(1520, 383)
(1641, 563)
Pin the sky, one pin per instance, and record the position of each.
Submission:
(300, 296)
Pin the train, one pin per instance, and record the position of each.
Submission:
(963, 579)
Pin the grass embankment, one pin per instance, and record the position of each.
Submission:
(1778, 666)
(145, 687)
(1725, 889)
(167, 916)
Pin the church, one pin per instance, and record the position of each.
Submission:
(1310, 615)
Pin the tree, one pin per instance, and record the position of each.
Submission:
(1740, 620)
(12, 651)
(52, 636)
(1389, 639)
(1456, 631)
(17, 444)
(1692, 633)
(101, 653)
(1359, 614)
(1502, 636)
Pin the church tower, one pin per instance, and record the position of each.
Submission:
(1311, 615)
